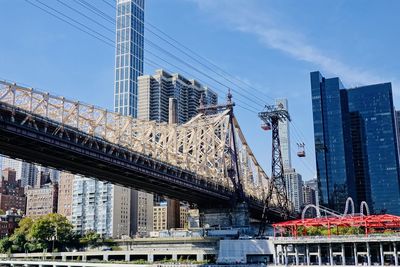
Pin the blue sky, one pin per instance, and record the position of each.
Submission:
(272, 45)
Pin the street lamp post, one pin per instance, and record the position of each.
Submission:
(54, 237)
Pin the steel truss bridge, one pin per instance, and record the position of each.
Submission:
(191, 162)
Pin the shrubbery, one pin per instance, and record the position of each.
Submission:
(323, 231)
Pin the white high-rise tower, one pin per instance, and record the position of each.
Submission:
(294, 183)
(284, 136)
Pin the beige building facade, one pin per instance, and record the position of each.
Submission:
(41, 201)
(160, 214)
(141, 213)
(183, 216)
(65, 194)
(121, 213)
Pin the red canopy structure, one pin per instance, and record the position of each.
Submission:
(369, 223)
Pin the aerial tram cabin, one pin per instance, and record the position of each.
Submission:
(266, 126)
(301, 153)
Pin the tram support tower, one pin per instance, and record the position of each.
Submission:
(271, 116)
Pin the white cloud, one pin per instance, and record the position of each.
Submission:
(245, 16)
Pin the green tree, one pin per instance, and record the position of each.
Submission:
(72, 241)
(51, 228)
(353, 230)
(91, 239)
(31, 246)
(5, 245)
(42, 230)
(18, 240)
(314, 230)
(20, 236)
(24, 226)
(2, 212)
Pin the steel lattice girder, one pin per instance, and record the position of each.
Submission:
(198, 146)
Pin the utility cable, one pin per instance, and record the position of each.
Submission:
(89, 18)
(169, 54)
(107, 41)
(262, 103)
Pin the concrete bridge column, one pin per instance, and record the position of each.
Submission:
(127, 257)
(64, 258)
(343, 255)
(308, 255)
(368, 254)
(330, 254)
(396, 260)
(174, 257)
(84, 258)
(279, 255)
(227, 217)
(319, 255)
(286, 255)
(381, 253)
(276, 255)
(150, 258)
(200, 257)
(355, 254)
(296, 254)
(105, 257)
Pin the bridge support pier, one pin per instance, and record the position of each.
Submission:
(237, 216)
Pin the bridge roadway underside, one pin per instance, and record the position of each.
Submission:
(49, 143)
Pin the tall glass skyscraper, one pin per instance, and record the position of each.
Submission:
(373, 133)
(129, 55)
(334, 169)
(355, 144)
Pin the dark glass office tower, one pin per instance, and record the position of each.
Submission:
(335, 177)
(373, 121)
(356, 145)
